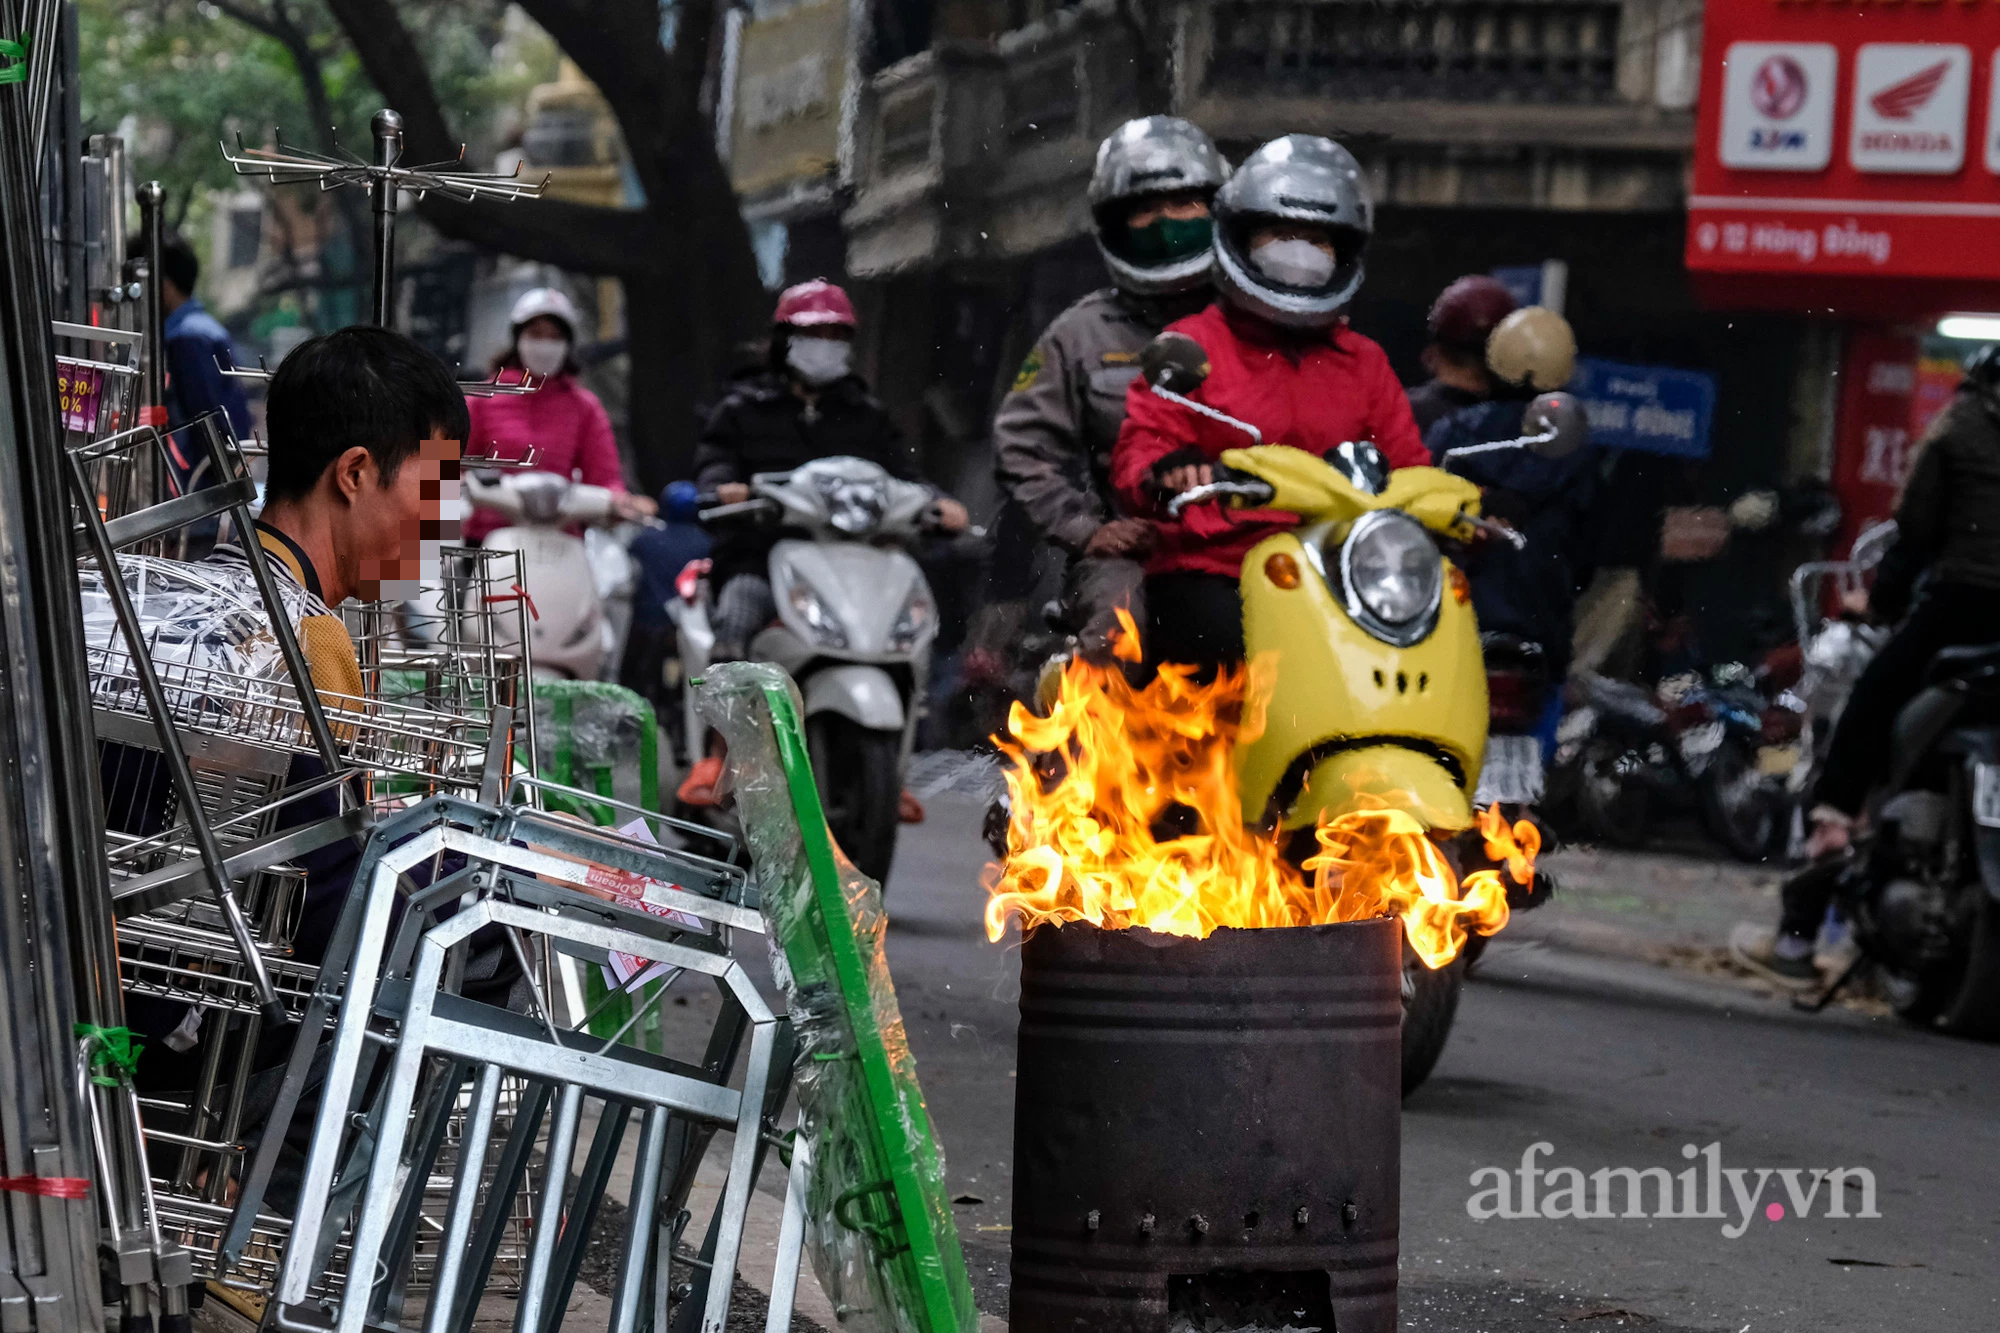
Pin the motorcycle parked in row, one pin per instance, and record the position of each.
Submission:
(856, 621)
(1382, 695)
(1720, 744)
(1921, 885)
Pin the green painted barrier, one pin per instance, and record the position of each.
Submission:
(880, 1231)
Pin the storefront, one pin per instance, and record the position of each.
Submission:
(1847, 165)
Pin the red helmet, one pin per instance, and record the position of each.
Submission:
(1467, 311)
(814, 304)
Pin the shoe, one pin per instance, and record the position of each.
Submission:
(698, 787)
(909, 810)
(1756, 947)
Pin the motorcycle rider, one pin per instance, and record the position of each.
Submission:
(1948, 535)
(1461, 320)
(1529, 592)
(1055, 430)
(561, 422)
(808, 403)
(1291, 231)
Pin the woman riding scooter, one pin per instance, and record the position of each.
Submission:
(1291, 228)
(807, 404)
(561, 425)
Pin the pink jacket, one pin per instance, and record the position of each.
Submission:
(562, 422)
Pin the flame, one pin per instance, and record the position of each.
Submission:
(1125, 814)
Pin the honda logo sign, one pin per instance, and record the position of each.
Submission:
(1910, 101)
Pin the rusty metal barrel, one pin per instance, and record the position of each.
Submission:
(1208, 1128)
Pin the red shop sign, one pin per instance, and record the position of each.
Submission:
(1840, 140)
(1872, 447)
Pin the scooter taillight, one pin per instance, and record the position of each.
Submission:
(687, 583)
(1515, 701)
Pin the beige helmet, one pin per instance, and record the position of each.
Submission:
(1532, 348)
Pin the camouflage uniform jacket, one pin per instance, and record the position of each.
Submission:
(1053, 434)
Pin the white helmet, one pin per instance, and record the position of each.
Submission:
(545, 301)
(1153, 155)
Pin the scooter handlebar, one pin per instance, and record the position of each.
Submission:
(1240, 485)
(740, 509)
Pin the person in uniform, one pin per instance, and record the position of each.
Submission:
(1053, 435)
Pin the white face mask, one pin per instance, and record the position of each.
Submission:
(1294, 262)
(819, 361)
(543, 356)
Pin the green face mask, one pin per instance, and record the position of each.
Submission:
(1165, 239)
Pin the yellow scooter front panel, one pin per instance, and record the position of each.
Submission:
(1344, 702)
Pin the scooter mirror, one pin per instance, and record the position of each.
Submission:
(1554, 425)
(1174, 362)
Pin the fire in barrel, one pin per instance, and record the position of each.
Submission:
(1206, 1114)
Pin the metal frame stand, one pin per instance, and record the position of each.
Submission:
(385, 177)
(568, 890)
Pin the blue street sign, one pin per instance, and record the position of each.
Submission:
(1655, 409)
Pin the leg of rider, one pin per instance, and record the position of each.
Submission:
(1860, 754)
(1856, 760)
(744, 606)
(1193, 618)
(1092, 593)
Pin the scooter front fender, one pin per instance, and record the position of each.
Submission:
(1378, 776)
(866, 695)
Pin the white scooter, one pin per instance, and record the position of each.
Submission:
(580, 588)
(856, 620)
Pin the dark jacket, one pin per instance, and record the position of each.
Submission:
(1434, 399)
(1948, 521)
(762, 426)
(1054, 432)
(1529, 592)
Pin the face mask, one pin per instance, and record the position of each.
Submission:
(819, 360)
(1295, 263)
(1165, 239)
(543, 356)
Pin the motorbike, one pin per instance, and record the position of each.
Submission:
(579, 587)
(1921, 886)
(1712, 744)
(856, 621)
(1381, 698)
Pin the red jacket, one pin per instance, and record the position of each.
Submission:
(562, 421)
(1313, 392)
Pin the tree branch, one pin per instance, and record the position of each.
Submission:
(579, 237)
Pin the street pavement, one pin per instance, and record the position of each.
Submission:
(1610, 1026)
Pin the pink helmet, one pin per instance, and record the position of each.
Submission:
(814, 304)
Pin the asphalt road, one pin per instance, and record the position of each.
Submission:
(1611, 1060)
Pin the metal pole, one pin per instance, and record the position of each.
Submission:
(388, 128)
(54, 876)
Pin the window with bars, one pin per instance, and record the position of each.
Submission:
(1561, 51)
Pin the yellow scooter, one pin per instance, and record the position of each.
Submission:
(1379, 696)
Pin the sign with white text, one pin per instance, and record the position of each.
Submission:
(1654, 409)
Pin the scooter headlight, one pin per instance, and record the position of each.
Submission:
(916, 622)
(812, 610)
(1393, 576)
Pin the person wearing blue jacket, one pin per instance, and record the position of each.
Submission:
(661, 553)
(1529, 592)
(198, 349)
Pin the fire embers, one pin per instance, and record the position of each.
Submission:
(1125, 813)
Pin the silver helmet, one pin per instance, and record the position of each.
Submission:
(1150, 156)
(1301, 178)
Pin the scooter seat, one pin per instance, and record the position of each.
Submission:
(1957, 663)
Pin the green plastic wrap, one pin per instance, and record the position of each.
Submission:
(598, 737)
(879, 1226)
(602, 738)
